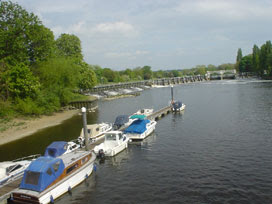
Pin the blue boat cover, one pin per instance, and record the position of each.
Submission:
(41, 173)
(121, 120)
(56, 149)
(138, 127)
(177, 104)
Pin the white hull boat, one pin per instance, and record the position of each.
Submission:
(145, 111)
(115, 142)
(177, 106)
(13, 170)
(41, 185)
(140, 129)
(95, 132)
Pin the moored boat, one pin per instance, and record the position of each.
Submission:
(122, 121)
(95, 132)
(140, 129)
(47, 178)
(115, 142)
(144, 111)
(13, 170)
(178, 106)
(58, 148)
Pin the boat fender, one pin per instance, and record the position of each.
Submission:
(69, 188)
(51, 199)
(86, 176)
(94, 167)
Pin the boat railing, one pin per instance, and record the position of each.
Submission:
(31, 157)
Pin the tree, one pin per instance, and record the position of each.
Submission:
(245, 64)
(147, 73)
(69, 46)
(109, 74)
(238, 58)
(20, 82)
(23, 38)
(87, 77)
(256, 59)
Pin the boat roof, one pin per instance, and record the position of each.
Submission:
(42, 163)
(56, 149)
(136, 116)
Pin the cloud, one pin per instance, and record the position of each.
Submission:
(133, 54)
(231, 10)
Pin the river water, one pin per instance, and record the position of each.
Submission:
(218, 151)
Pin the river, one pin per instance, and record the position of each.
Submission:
(218, 151)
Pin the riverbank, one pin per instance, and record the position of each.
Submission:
(23, 127)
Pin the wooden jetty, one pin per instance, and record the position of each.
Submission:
(160, 113)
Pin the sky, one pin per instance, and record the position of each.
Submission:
(164, 34)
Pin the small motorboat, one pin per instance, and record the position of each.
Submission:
(115, 142)
(144, 111)
(140, 129)
(13, 170)
(95, 132)
(59, 148)
(47, 178)
(178, 106)
(122, 121)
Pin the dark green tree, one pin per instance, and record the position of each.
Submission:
(245, 64)
(147, 73)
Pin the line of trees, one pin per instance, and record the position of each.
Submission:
(259, 61)
(39, 74)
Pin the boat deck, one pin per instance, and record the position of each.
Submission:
(6, 189)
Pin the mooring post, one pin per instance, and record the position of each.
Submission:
(84, 118)
(172, 94)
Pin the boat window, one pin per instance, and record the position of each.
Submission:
(32, 178)
(13, 168)
(70, 169)
(89, 131)
(97, 129)
(120, 136)
(51, 152)
(56, 166)
(49, 171)
(110, 137)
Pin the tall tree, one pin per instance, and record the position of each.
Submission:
(256, 59)
(238, 58)
(69, 46)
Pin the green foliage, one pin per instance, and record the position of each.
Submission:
(69, 46)
(23, 39)
(87, 77)
(245, 64)
(20, 82)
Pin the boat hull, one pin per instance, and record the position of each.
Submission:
(179, 109)
(116, 150)
(55, 191)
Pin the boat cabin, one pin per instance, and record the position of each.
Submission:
(41, 173)
(120, 121)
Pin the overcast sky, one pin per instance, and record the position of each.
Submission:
(165, 34)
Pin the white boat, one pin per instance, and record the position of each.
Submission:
(177, 106)
(13, 170)
(47, 178)
(140, 129)
(144, 111)
(115, 142)
(58, 148)
(122, 121)
(95, 132)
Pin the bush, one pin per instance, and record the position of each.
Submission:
(28, 107)
(6, 109)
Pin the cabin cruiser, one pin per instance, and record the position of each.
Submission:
(58, 148)
(47, 178)
(13, 170)
(144, 111)
(178, 106)
(140, 129)
(115, 142)
(122, 121)
(95, 132)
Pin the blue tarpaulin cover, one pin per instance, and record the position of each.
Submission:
(121, 120)
(56, 149)
(177, 104)
(41, 173)
(138, 127)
